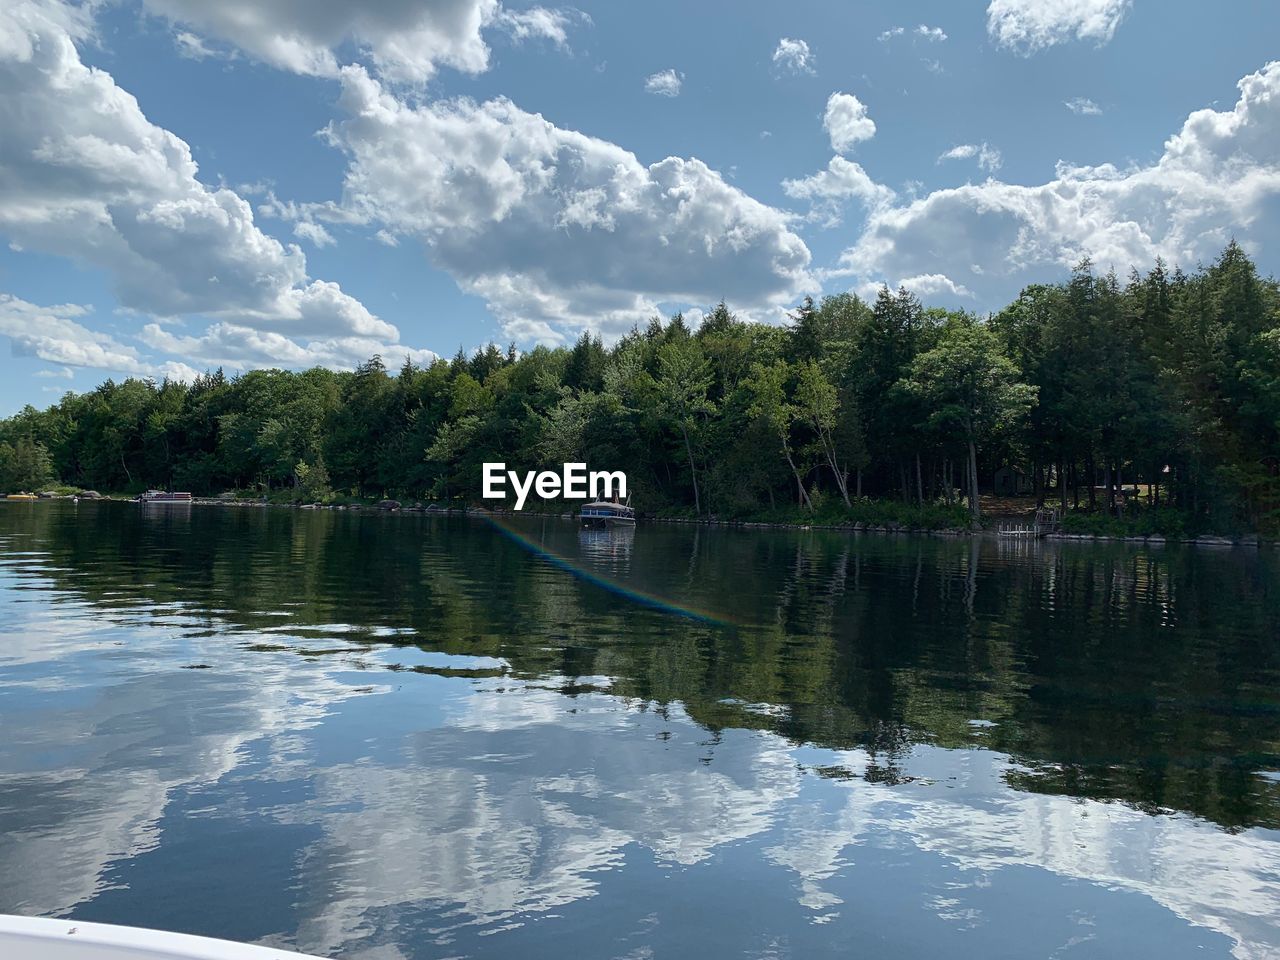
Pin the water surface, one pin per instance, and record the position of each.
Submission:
(402, 737)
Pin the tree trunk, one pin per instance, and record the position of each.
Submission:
(842, 484)
(859, 483)
(974, 510)
(693, 472)
(919, 481)
(804, 494)
(842, 479)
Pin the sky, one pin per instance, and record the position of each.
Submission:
(187, 185)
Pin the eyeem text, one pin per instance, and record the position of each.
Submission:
(572, 483)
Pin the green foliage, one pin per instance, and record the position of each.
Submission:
(1171, 381)
(313, 480)
(1165, 522)
(25, 466)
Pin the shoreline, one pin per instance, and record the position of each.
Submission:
(892, 528)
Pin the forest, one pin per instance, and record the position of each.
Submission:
(1154, 402)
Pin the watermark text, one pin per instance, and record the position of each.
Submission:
(573, 482)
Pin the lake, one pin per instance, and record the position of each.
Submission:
(397, 737)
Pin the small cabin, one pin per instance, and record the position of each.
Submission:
(1011, 482)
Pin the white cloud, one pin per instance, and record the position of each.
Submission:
(827, 190)
(191, 46)
(927, 286)
(84, 174)
(405, 40)
(241, 348)
(933, 284)
(846, 121)
(1027, 26)
(988, 157)
(537, 23)
(61, 373)
(922, 31)
(793, 56)
(665, 83)
(1218, 177)
(480, 183)
(1083, 106)
(313, 233)
(54, 334)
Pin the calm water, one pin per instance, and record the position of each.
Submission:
(402, 737)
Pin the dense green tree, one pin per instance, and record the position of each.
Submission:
(771, 406)
(970, 387)
(25, 465)
(684, 379)
(1168, 383)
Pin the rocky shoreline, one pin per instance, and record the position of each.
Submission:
(891, 528)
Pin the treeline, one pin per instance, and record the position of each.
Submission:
(1169, 381)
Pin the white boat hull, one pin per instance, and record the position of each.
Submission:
(33, 938)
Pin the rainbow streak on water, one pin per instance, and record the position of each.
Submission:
(613, 586)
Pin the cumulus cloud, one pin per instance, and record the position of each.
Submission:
(537, 23)
(1217, 177)
(828, 189)
(988, 157)
(480, 183)
(240, 348)
(313, 233)
(405, 40)
(1083, 106)
(1027, 26)
(55, 334)
(933, 284)
(793, 56)
(665, 83)
(84, 174)
(846, 121)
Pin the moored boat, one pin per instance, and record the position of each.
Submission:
(33, 938)
(161, 496)
(22, 496)
(603, 513)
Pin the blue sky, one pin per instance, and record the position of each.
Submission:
(186, 185)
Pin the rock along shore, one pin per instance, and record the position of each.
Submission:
(891, 528)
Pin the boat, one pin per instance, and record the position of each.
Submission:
(22, 496)
(160, 496)
(36, 938)
(604, 513)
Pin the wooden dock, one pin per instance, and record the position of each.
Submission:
(1046, 522)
